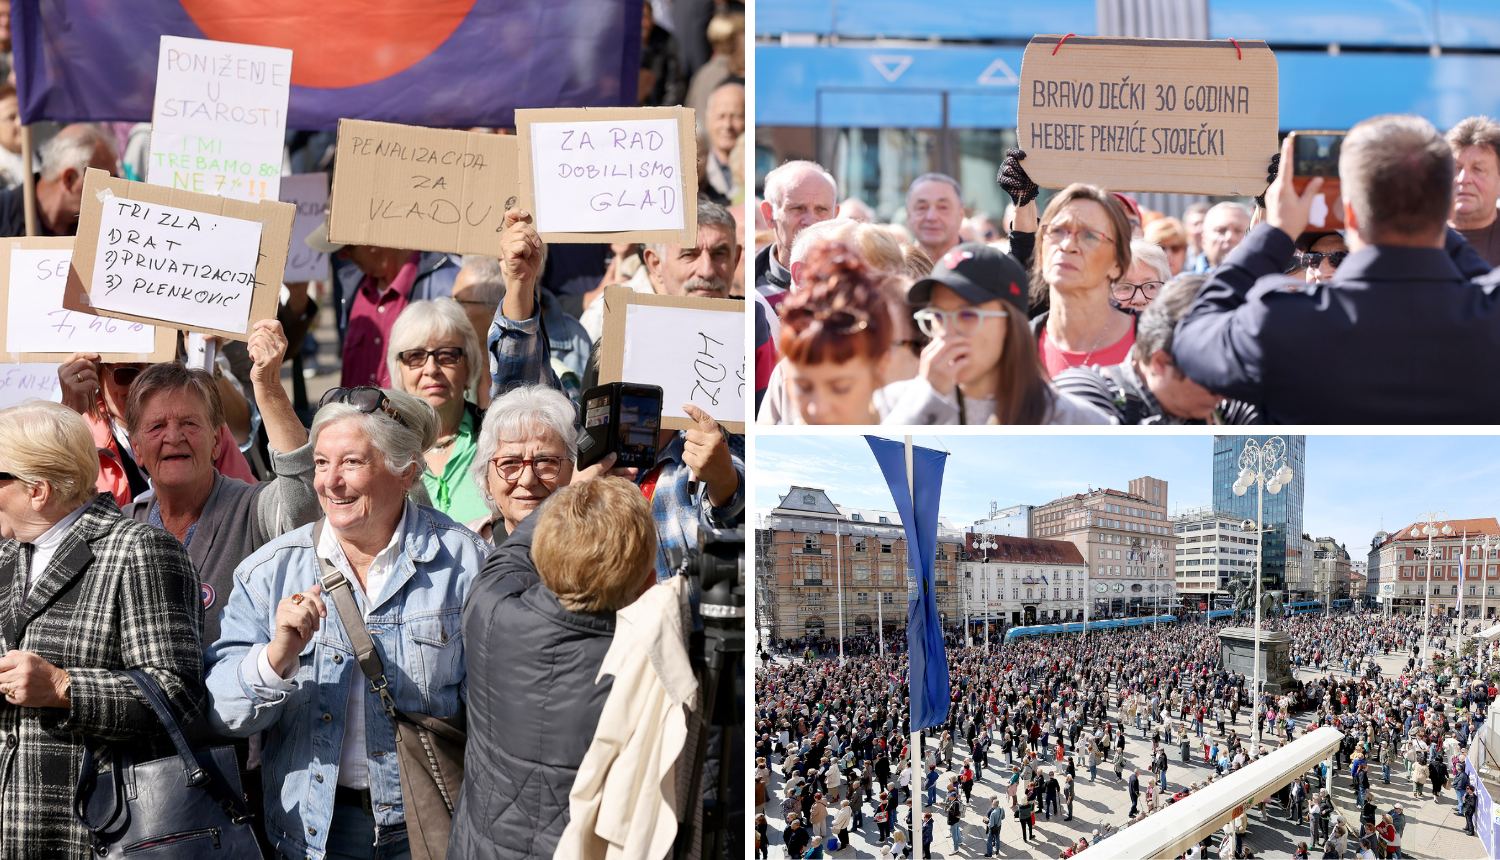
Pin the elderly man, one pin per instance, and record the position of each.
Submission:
(1149, 388)
(935, 212)
(1382, 336)
(798, 193)
(59, 188)
(726, 122)
(479, 288)
(1476, 184)
(704, 270)
(1224, 228)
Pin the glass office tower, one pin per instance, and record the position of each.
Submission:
(1283, 511)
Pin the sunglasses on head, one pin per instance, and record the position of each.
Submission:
(366, 399)
(836, 321)
(123, 376)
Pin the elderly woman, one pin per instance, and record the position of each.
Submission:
(88, 593)
(169, 413)
(1149, 270)
(435, 354)
(530, 450)
(284, 663)
(1169, 233)
(1083, 249)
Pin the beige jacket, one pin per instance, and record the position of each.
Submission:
(623, 805)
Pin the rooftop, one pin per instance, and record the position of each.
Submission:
(1019, 550)
(1477, 528)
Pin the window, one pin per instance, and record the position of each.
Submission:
(857, 518)
(859, 543)
(861, 597)
(810, 543)
(886, 598)
(1491, 590)
(1472, 588)
(887, 546)
(886, 520)
(1101, 588)
(1028, 594)
(1054, 593)
(1015, 594)
(809, 499)
(1070, 594)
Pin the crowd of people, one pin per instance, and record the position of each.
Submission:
(1060, 709)
(204, 526)
(1097, 311)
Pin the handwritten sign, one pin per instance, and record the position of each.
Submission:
(693, 348)
(423, 189)
(34, 325)
(1171, 115)
(219, 121)
(166, 256)
(610, 175)
(30, 381)
(309, 193)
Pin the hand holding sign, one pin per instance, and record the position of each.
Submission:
(1285, 209)
(520, 263)
(267, 347)
(79, 376)
(706, 453)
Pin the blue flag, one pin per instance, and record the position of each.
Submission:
(440, 63)
(924, 631)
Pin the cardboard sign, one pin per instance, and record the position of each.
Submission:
(22, 382)
(187, 278)
(309, 193)
(35, 327)
(693, 348)
(421, 189)
(1172, 115)
(610, 174)
(219, 121)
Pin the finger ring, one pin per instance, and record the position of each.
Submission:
(297, 598)
(79, 378)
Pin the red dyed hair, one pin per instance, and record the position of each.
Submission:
(836, 279)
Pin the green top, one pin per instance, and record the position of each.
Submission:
(454, 492)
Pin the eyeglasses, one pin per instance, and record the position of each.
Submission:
(1088, 240)
(10, 476)
(447, 356)
(123, 376)
(836, 321)
(510, 468)
(965, 321)
(1126, 291)
(1313, 259)
(366, 399)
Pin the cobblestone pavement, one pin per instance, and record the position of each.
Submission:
(1432, 829)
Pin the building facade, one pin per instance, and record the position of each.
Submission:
(1375, 579)
(1019, 581)
(1399, 564)
(812, 554)
(1126, 540)
(1282, 514)
(1014, 521)
(1211, 550)
(1333, 571)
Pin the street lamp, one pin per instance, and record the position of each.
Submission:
(1431, 518)
(984, 545)
(1484, 571)
(1258, 467)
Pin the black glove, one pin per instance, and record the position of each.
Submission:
(1013, 178)
(1271, 171)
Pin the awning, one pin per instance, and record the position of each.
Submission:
(1168, 834)
(1490, 634)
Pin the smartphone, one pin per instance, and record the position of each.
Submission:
(620, 418)
(1316, 153)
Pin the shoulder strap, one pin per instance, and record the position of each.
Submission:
(336, 587)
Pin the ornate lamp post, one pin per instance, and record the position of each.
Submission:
(1431, 518)
(1258, 467)
(985, 543)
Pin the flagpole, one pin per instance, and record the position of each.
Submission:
(28, 181)
(1463, 575)
(912, 833)
(838, 566)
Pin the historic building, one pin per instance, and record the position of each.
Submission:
(1399, 563)
(1018, 581)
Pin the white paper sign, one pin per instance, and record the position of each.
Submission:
(596, 177)
(22, 382)
(35, 320)
(695, 356)
(175, 265)
(219, 121)
(309, 191)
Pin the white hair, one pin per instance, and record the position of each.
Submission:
(1229, 206)
(523, 413)
(489, 281)
(438, 319)
(1151, 255)
(809, 235)
(73, 148)
(778, 180)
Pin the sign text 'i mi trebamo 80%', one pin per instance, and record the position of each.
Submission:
(1170, 115)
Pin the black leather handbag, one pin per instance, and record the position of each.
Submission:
(183, 807)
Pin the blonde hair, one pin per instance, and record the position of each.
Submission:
(1150, 255)
(439, 319)
(877, 247)
(48, 442)
(594, 543)
(1166, 231)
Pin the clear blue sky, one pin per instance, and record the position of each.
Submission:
(1351, 481)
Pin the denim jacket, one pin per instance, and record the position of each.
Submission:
(415, 627)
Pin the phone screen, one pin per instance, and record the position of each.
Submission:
(1316, 154)
(640, 418)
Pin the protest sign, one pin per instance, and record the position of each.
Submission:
(610, 174)
(1171, 115)
(309, 193)
(35, 327)
(693, 348)
(219, 121)
(190, 261)
(22, 382)
(421, 189)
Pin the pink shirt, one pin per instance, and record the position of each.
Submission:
(1058, 360)
(371, 317)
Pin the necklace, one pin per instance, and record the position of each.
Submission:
(443, 443)
(1085, 362)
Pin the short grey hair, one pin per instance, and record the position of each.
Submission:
(73, 148)
(709, 214)
(1158, 323)
(400, 445)
(1475, 131)
(1239, 209)
(777, 180)
(489, 280)
(441, 319)
(958, 190)
(523, 413)
(1151, 254)
(1397, 174)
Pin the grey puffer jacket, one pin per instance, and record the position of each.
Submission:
(533, 707)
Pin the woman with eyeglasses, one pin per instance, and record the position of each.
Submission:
(981, 366)
(284, 665)
(1318, 256)
(1170, 235)
(435, 354)
(1148, 271)
(1083, 250)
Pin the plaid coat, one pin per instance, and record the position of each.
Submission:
(117, 595)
